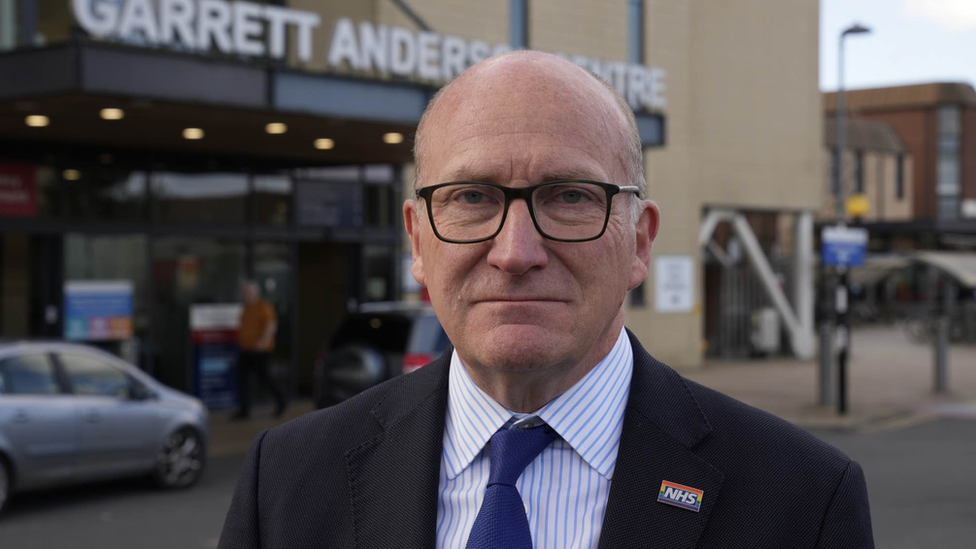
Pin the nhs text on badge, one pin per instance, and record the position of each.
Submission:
(679, 495)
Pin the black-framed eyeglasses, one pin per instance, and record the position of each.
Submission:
(566, 210)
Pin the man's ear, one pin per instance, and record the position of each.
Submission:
(411, 221)
(647, 227)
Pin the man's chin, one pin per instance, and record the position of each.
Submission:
(519, 347)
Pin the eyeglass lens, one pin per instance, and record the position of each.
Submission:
(472, 211)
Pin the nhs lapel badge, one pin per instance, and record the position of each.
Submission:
(679, 495)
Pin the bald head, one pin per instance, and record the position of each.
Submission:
(515, 85)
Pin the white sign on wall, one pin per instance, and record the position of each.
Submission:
(674, 284)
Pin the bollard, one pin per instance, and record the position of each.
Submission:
(942, 324)
(826, 364)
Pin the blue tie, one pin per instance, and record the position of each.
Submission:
(501, 522)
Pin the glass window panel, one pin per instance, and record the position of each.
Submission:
(379, 201)
(54, 21)
(333, 204)
(29, 375)
(950, 120)
(948, 174)
(8, 24)
(378, 173)
(114, 257)
(900, 181)
(272, 199)
(106, 195)
(200, 197)
(859, 172)
(378, 271)
(90, 376)
(949, 144)
(948, 207)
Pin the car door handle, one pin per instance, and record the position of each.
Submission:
(93, 417)
(20, 416)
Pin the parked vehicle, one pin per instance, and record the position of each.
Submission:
(378, 342)
(72, 413)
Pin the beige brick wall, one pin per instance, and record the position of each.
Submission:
(744, 125)
(743, 129)
(579, 27)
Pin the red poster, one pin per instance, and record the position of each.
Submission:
(18, 193)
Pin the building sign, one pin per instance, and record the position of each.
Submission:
(249, 29)
(229, 27)
(213, 330)
(674, 284)
(97, 310)
(18, 194)
(434, 57)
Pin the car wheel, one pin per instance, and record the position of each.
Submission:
(181, 460)
(4, 483)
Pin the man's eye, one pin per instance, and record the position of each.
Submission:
(571, 197)
(472, 197)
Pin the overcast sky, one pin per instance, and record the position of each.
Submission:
(912, 41)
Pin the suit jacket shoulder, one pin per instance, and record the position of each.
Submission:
(303, 484)
(764, 481)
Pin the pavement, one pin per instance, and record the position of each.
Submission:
(890, 384)
(231, 437)
(890, 387)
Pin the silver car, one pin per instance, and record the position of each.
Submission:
(71, 413)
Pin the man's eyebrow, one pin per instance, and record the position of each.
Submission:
(570, 173)
(466, 173)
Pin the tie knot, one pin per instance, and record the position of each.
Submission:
(512, 450)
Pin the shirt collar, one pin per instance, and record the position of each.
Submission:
(589, 416)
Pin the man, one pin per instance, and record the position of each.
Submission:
(548, 425)
(256, 336)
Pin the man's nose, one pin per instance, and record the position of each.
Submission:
(519, 247)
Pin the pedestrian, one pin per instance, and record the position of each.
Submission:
(256, 337)
(547, 424)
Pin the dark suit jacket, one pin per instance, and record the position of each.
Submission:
(365, 473)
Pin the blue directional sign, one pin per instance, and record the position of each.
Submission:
(843, 246)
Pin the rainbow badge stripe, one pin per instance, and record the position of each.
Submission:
(680, 495)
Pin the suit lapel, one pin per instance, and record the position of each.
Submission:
(662, 425)
(393, 478)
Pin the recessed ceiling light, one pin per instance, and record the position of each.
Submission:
(324, 144)
(71, 175)
(112, 114)
(193, 133)
(393, 138)
(37, 121)
(276, 128)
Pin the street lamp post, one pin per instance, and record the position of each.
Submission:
(842, 296)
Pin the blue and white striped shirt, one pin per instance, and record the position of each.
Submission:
(565, 488)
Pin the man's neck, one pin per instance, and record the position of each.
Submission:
(527, 391)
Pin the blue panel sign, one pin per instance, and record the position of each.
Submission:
(216, 375)
(215, 352)
(843, 246)
(98, 310)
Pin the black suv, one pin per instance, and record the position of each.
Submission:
(378, 342)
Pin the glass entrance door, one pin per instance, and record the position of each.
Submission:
(188, 271)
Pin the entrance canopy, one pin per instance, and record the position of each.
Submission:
(960, 266)
(162, 93)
